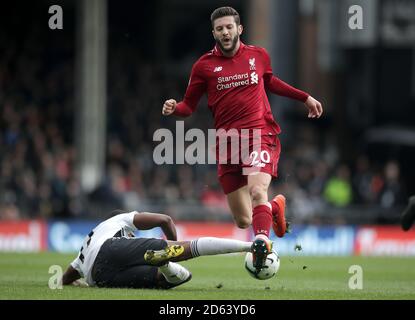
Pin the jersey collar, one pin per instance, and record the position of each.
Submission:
(218, 52)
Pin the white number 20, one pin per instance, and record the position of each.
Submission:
(263, 156)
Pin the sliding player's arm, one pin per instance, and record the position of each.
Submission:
(73, 275)
(147, 220)
(279, 87)
(195, 90)
(70, 276)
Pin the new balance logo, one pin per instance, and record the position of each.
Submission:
(217, 69)
(254, 78)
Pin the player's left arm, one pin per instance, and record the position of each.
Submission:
(315, 109)
(279, 87)
(148, 220)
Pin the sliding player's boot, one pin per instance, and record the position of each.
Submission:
(159, 257)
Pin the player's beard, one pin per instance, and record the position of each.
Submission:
(234, 42)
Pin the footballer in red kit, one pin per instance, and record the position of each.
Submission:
(235, 78)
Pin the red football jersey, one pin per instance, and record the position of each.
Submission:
(235, 88)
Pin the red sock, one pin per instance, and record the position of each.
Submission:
(262, 219)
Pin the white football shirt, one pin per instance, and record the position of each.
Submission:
(84, 262)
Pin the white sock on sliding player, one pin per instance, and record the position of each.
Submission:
(207, 246)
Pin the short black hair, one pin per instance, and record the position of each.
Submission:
(224, 12)
(116, 212)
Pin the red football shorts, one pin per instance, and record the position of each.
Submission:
(264, 158)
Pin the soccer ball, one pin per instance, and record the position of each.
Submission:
(272, 264)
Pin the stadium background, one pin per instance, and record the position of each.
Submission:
(79, 107)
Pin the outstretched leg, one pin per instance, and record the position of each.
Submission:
(184, 250)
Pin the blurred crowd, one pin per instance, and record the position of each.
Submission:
(38, 169)
(316, 181)
(37, 154)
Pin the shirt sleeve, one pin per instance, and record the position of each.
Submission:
(279, 87)
(195, 89)
(76, 264)
(128, 219)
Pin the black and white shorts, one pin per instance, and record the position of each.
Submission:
(120, 263)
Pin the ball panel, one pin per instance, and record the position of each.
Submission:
(269, 270)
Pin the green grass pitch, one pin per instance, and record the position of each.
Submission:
(26, 276)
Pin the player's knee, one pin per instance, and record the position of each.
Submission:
(243, 222)
(257, 192)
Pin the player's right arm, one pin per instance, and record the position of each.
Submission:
(70, 275)
(147, 220)
(195, 89)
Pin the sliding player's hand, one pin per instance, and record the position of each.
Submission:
(315, 110)
(169, 107)
(80, 283)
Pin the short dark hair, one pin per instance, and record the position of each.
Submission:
(115, 212)
(224, 12)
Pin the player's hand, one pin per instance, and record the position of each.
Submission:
(80, 283)
(315, 110)
(169, 107)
